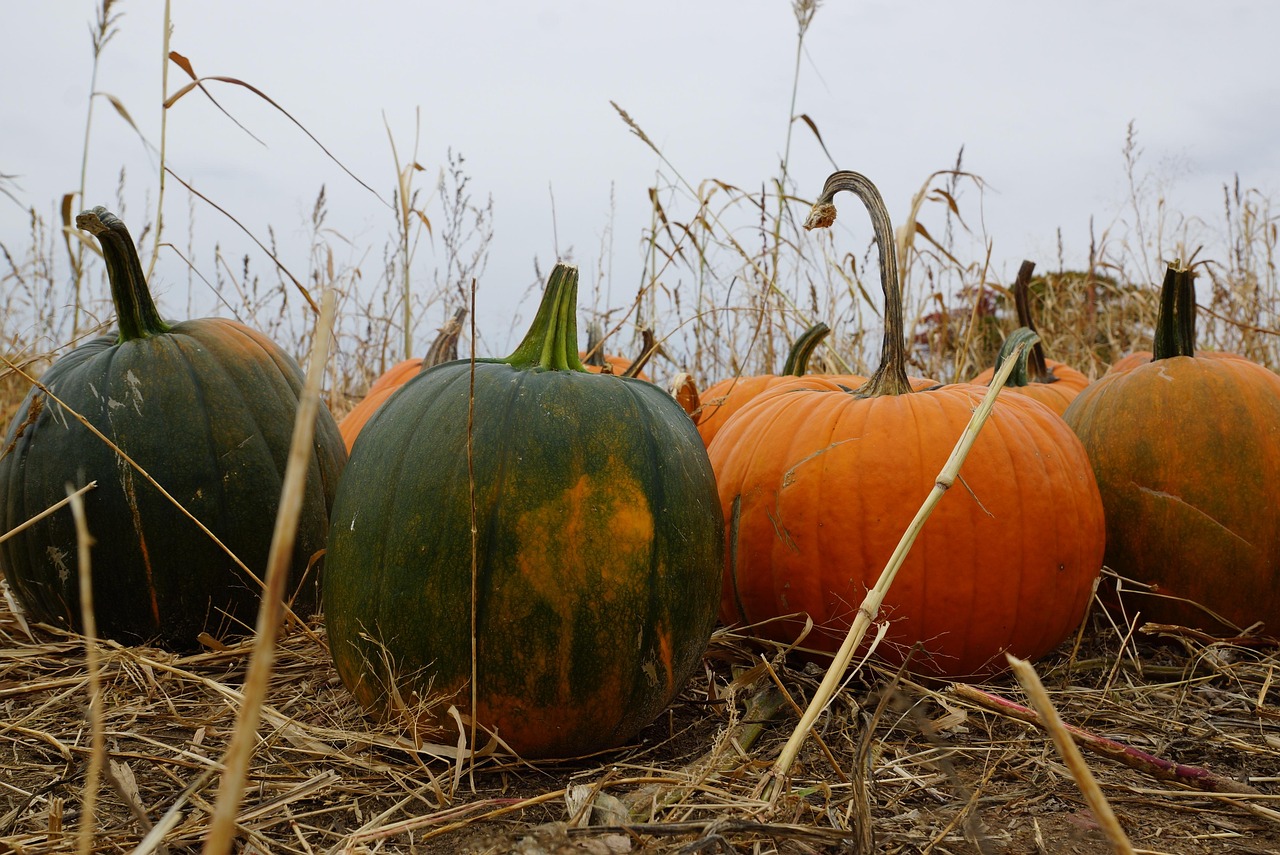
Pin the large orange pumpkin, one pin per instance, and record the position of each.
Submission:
(1186, 450)
(1054, 384)
(818, 484)
(443, 349)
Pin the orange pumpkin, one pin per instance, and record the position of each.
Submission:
(1054, 384)
(1142, 357)
(443, 349)
(723, 399)
(595, 360)
(1186, 453)
(685, 391)
(818, 484)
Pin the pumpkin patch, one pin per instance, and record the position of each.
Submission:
(597, 572)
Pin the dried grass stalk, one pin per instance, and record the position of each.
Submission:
(97, 757)
(236, 761)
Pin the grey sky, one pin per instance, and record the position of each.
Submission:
(1039, 94)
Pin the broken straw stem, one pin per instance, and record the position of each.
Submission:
(1071, 756)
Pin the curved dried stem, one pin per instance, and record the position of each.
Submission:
(891, 377)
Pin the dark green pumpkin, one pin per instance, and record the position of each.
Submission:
(206, 407)
(598, 548)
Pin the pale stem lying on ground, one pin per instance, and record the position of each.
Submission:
(870, 607)
(239, 752)
(1071, 756)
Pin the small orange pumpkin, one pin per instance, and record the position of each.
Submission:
(1054, 384)
(595, 360)
(721, 400)
(443, 349)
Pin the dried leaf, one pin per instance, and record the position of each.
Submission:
(426, 222)
(68, 229)
(950, 200)
(813, 126)
(923, 232)
(120, 108)
(173, 99)
(183, 63)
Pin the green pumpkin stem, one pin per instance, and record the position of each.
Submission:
(797, 364)
(1176, 319)
(135, 309)
(891, 377)
(552, 340)
(1021, 375)
(1036, 364)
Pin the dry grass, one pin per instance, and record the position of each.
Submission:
(729, 279)
(916, 768)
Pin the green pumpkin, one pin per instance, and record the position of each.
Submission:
(206, 407)
(598, 548)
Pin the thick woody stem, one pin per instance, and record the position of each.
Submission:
(891, 377)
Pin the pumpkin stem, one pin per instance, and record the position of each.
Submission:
(1036, 364)
(1021, 375)
(797, 364)
(445, 347)
(135, 309)
(891, 377)
(595, 347)
(648, 347)
(552, 340)
(1176, 320)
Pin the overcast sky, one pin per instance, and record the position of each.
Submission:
(1038, 94)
